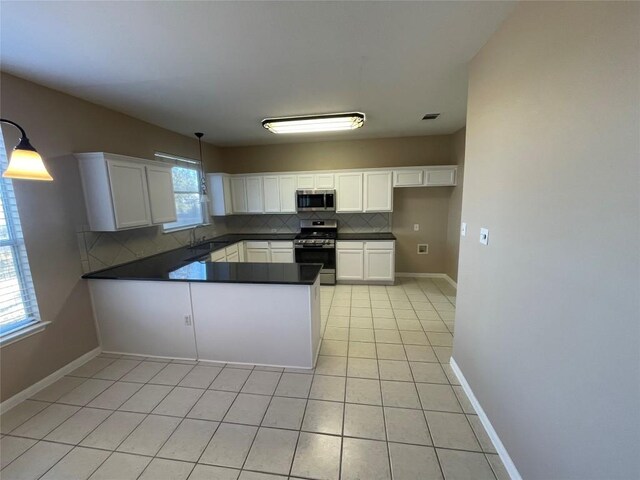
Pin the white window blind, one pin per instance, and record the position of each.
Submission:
(18, 306)
(186, 191)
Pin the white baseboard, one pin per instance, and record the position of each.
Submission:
(29, 392)
(493, 435)
(429, 275)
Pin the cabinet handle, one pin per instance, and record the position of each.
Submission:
(187, 320)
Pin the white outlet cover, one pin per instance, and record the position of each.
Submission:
(463, 229)
(416, 227)
(484, 236)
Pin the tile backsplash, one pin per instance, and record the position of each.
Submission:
(104, 249)
(347, 223)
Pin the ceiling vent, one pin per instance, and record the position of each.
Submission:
(431, 116)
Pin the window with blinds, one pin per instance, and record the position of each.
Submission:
(186, 192)
(18, 306)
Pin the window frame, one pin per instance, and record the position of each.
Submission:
(189, 164)
(32, 323)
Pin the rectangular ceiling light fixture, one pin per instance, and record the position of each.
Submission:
(315, 123)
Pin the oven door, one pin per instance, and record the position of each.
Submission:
(326, 256)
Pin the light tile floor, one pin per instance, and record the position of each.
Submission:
(382, 403)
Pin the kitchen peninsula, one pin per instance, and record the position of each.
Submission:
(182, 304)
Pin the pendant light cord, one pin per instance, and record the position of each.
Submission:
(203, 181)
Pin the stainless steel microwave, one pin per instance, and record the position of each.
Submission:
(316, 200)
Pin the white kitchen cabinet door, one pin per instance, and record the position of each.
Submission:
(408, 178)
(129, 193)
(349, 264)
(239, 194)
(378, 192)
(324, 181)
(233, 257)
(281, 255)
(257, 255)
(349, 192)
(379, 265)
(218, 256)
(161, 198)
(306, 182)
(255, 195)
(128, 322)
(288, 194)
(440, 176)
(271, 194)
(220, 195)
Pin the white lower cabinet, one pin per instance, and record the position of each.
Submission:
(281, 252)
(257, 252)
(129, 322)
(365, 261)
(350, 265)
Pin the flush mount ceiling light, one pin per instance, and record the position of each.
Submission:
(315, 123)
(25, 162)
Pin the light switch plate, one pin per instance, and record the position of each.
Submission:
(416, 227)
(484, 236)
(463, 229)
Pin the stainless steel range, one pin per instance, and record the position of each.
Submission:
(316, 243)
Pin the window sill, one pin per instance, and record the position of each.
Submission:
(189, 227)
(25, 332)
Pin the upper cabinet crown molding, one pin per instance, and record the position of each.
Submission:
(357, 190)
(124, 192)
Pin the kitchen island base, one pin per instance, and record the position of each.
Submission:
(263, 324)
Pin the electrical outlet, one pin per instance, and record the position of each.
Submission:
(484, 236)
(463, 229)
(423, 248)
(187, 320)
(416, 227)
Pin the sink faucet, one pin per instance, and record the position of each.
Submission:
(192, 236)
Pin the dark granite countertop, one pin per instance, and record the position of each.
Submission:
(191, 264)
(367, 236)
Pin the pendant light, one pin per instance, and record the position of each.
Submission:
(25, 162)
(203, 181)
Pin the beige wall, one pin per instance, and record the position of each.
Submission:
(381, 152)
(429, 207)
(548, 314)
(455, 209)
(58, 125)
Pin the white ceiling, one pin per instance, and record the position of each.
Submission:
(221, 67)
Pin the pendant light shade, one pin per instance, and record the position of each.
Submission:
(25, 162)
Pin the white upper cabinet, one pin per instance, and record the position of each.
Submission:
(255, 195)
(441, 176)
(287, 193)
(378, 192)
(271, 185)
(161, 197)
(349, 192)
(306, 182)
(368, 190)
(324, 181)
(220, 194)
(123, 192)
(239, 194)
(129, 193)
(408, 178)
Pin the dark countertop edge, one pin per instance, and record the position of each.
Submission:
(304, 283)
(367, 236)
